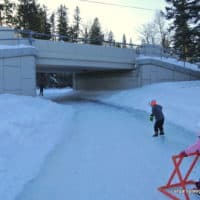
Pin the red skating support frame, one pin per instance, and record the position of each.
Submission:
(183, 181)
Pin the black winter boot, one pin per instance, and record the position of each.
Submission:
(198, 187)
(155, 135)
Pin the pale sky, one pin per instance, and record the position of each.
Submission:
(118, 19)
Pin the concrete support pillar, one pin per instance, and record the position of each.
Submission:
(17, 75)
(17, 65)
(17, 71)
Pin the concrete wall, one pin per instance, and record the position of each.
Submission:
(155, 71)
(8, 36)
(147, 71)
(6, 32)
(112, 80)
(17, 71)
(64, 56)
(121, 68)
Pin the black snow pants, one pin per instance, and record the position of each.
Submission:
(159, 126)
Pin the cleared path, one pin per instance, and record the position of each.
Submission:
(108, 154)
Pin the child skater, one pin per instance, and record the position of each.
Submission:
(159, 118)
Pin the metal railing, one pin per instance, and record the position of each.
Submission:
(32, 35)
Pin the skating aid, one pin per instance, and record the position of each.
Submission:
(181, 185)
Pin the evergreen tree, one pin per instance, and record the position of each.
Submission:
(23, 16)
(45, 26)
(28, 15)
(118, 45)
(62, 27)
(1, 15)
(179, 12)
(194, 12)
(8, 10)
(53, 25)
(111, 38)
(76, 26)
(70, 34)
(124, 41)
(131, 43)
(95, 34)
(86, 35)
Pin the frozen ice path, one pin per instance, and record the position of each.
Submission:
(108, 154)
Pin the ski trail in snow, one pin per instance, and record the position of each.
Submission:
(108, 154)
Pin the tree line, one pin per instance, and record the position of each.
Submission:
(177, 27)
(185, 17)
(29, 15)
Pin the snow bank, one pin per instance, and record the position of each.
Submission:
(53, 93)
(172, 61)
(180, 101)
(29, 130)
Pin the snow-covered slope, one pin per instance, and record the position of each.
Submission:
(180, 101)
(111, 154)
(31, 127)
(172, 61)
(29, 130)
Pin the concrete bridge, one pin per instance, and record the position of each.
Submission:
(62, 56)
(93, 67)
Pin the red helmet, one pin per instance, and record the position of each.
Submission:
(153, 103)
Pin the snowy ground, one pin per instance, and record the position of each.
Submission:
(106, 152)
(30, 129)
(180, 101)
(109, 154)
